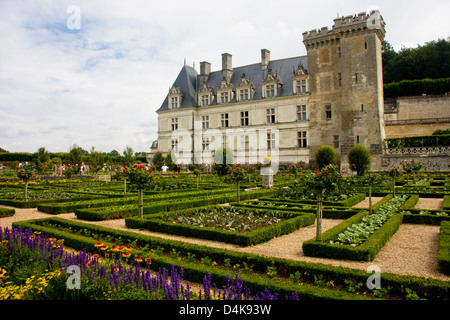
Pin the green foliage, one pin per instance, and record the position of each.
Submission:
(158, 161)
(360, 159)
(427, 61)
(325, 155)
(43, 162)
(96, 160)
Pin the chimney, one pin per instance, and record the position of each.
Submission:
(265, 58)
(205, 68)
(227, 69)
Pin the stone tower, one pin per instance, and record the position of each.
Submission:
(346, 85)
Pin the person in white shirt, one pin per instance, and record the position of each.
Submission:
(164, 168)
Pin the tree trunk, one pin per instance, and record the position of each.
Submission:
(26, 187)
(319, 216)
(393, 187)
(141, 204)
(370, 199)
(238, 192)
(124, 186)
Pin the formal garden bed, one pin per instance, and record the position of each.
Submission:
(191, 210)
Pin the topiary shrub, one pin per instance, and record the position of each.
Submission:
(325, 155)
(359, 159)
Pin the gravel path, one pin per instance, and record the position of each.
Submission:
(411, 251)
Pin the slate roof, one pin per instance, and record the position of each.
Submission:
(188, 80)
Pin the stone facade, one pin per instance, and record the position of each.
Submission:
(290, 107)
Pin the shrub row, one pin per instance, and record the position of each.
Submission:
(156, 224)
(120, 212)
(443, 255)
(6, 212)
(431, 217)
(343, 203)
(416, 87)
(37, 203)
(446, 204)
(425, 287)
(328, 212)
(364, 252)
(57, 208)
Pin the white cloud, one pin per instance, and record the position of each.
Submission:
(100, 85)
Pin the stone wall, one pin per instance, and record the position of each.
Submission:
(429, 162)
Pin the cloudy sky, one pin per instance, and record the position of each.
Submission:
(93, 72)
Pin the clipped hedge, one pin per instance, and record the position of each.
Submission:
(155, 223)
(343, 203)
(328, 212)
(151, 207)
(367, 250)
(7, 212)
(446, 204)
(443, 255)
(432, 289)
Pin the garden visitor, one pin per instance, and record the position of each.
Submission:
(164, 168)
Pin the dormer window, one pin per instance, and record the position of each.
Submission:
(271, 85)
(300, 80)
(205, 95)
(174, 97)
(225, 91)
(245, 89)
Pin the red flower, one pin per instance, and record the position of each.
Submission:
(150, 169)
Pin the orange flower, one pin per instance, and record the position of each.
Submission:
(37, 232)
(148, 261)
(98, 244)
(104, 248)
(126, 255)
(95, 256)
(2, 272)
(114, 248)
(128, 248)
(120, 248)
(138, 259)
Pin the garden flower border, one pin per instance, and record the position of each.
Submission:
(431, 288)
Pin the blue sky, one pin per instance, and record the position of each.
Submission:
(100, 82)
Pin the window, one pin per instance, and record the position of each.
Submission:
(244, 118)
(302, 139)
(174, 145)
(301, 86)
(224, 97)
(174, 124)
(174, 102)
(357, 139)
(340, 52)
(328, 112)
(270, 115)
(301, 113)
(205, 100)
(224, 120)
(336, 142)
(270, 91)
(205, 122)
(362, 108)
(340, 79)
(356, 77)
(205, 144)
(270, 141)
(365, 45)
(243, 95)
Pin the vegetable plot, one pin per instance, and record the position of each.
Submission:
(359, 232)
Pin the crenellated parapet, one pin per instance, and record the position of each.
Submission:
(345, 27)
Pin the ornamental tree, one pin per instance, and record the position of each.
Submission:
(237, 175)
(328, 179)
(25, 173)
(140, 177)
(325, 155)
(394, 173)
